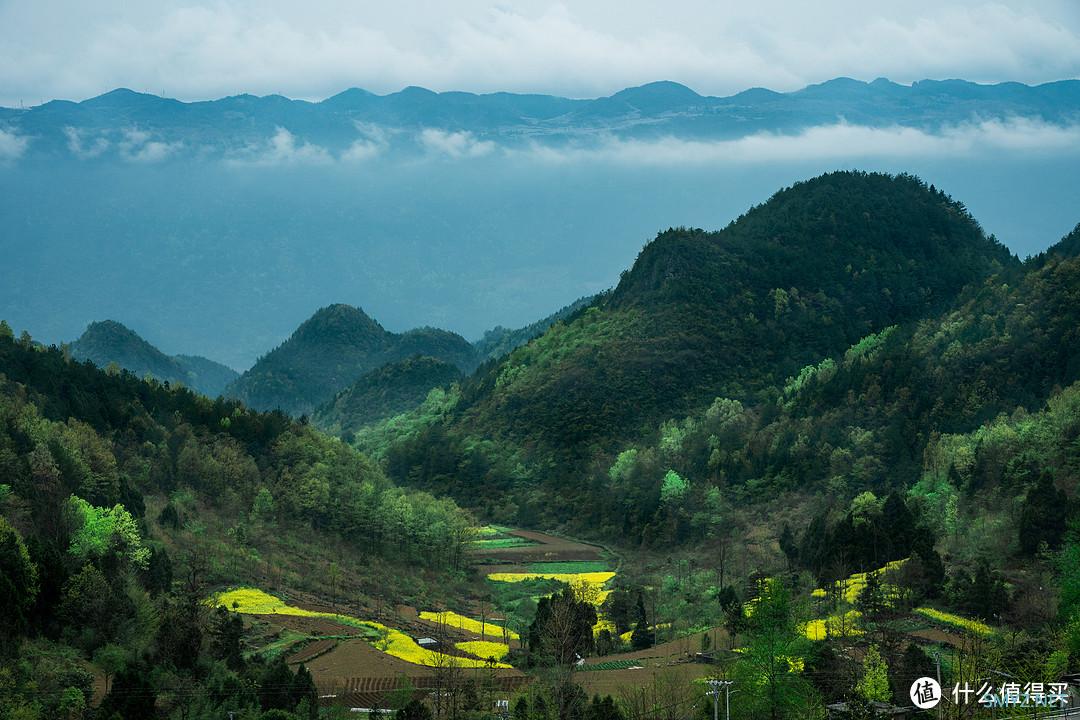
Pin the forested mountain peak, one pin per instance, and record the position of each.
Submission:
(108, 341)
(343, 324)
(826, 234)
(115, 334)
(702, 315)
(331, 350)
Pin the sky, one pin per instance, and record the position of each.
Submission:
(200, 50)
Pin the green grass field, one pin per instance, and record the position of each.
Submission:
(573, 566)
(501, 542)
(610, 665)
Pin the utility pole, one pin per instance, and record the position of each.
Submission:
(714, 693)
(937, 661)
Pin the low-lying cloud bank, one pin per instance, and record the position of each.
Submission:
(838, 141)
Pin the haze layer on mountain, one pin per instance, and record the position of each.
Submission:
(217, 228)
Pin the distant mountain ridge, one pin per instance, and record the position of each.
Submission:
(233, 124)
(331, 350)
(108, 341)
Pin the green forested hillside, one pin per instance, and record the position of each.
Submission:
(124, 503)
(392, 389)
(871, 418)
(731, 314)
(330, 351)
(499, 340)
(109, 342)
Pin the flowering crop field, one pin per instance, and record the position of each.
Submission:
(834, 626)
(452, 619)
(857, 582)
(596, 579)
(484, 649)
(956, 621)
(252, 601)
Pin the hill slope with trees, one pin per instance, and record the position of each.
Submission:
(330, 351)
(109, 342)
(731, 314)
(384, 392)
(125, 502)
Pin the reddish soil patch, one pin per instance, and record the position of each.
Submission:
(356, 658)
(375, 692)
(354, 666)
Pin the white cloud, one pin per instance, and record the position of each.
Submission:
(12, 146)
(456, 145)
(84, 147)
(139, 148)
(283, 149)
(373, 140)
(839, 141)
(210, 48)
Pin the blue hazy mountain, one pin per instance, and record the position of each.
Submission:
(333, 349)
(234, 123)
(107, 342)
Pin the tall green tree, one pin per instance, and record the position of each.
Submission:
(18, 586)
(770, 666)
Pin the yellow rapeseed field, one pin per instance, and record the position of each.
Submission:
(483, 649)
(855, 584)
(252, 601)
(596, 579)
(956, 621)
(835, 626)
(453, 619)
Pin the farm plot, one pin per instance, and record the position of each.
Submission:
(614, 682)
(529, 547)
(251, 601)
(482, 629)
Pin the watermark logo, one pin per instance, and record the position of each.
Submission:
(925, 693)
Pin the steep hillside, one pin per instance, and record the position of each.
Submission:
(499, 340)
(109, 342)
(392, 389)
(929, 398)
(330, 351)
(735, 312)
(738, 315)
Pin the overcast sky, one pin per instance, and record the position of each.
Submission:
(195, 50)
